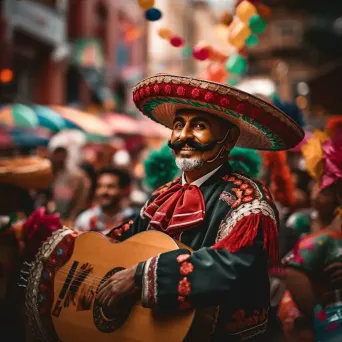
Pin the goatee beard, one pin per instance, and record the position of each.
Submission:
(187, 164)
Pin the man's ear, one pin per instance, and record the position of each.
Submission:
(232, 138)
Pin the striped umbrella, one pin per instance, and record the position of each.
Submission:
(17, 138)
(49, 119)
(122, 124)
(95, 127)
(18, 116)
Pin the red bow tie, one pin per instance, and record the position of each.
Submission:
(177, 209)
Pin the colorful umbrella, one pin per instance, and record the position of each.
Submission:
(49, 119)
(16, 138)
(18, 116)
(122, 124)
(149, 128)
(90, 124)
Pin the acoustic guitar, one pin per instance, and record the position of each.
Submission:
(64, 280)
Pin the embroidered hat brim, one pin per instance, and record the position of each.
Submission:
(262, 125)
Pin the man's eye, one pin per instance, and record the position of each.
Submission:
(199, 126)
(178, 125)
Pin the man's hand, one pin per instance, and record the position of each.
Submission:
(334, 273)
(121, 284)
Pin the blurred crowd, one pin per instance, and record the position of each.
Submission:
(95, 187)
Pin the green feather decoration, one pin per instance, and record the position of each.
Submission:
(245, 160)
(160, 168)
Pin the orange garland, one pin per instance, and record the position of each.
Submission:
(282, 186)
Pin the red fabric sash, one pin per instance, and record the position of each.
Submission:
(177, 209)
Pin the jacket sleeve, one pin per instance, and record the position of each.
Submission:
(178, 279)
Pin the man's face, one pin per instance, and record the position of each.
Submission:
(194, 138)
(108, 191)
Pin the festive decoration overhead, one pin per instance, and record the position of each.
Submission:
(239, 32)
(164, 33)
(146, 4)
(176, 41)
(245, 10)
(257, 24)
(252, 40)
(153, 14)
(201, 52)
(236, 64)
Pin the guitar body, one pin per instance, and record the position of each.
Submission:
(61, 292)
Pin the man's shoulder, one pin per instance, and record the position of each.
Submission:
(165, 187)
(248, 186)
(245, 193)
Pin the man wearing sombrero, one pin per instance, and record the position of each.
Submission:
(229, 220)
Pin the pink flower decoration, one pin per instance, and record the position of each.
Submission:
(38, 227)
(332, 156)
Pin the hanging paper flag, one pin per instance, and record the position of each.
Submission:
(245, 10)
(257, 24)
(239, 32)
(176, 41)
(145, 4)
(153, 14)
(236, 64)
(252, 40)
(164, 33)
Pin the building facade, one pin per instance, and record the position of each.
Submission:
(33, 33)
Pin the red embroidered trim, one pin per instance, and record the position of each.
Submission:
(244, 193)
(248, 325)
(245, 231)
(151, 273)
(184, 286)
(227, 197)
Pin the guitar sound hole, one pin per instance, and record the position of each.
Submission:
(108, 322)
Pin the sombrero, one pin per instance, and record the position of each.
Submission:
(262, 125)
(26, 172)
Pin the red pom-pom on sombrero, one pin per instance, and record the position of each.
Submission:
(262, 125)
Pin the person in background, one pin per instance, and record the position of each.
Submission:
(70, 187)
(313, 266)
(112, 189)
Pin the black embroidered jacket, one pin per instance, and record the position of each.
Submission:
(229, 266)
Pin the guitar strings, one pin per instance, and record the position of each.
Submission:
(68, 268)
